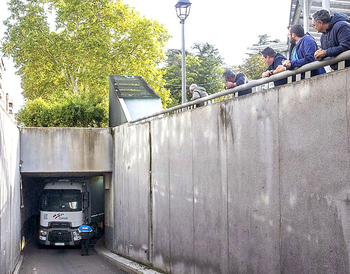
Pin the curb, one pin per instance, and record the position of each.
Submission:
(19, 264)
(122, 263)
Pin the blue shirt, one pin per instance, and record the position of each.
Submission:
(294, 55)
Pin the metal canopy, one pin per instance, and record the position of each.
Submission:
(132, 87)
(130, 97)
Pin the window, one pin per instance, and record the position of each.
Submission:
(61, 200)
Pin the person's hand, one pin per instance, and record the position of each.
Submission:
(286, 63)
(267, 73)
(230, 85)
(319, 54)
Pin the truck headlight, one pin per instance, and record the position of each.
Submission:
(42, 232)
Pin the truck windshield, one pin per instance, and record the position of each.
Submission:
(61, 200)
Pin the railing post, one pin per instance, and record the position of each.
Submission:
(306, 13)
(326, 5)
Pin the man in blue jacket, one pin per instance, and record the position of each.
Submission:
(274, 60)
(302, 49)
(233, 80)
(335, 37)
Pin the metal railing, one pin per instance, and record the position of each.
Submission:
(229, 93)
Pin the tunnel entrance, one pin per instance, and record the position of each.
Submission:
(37, 204)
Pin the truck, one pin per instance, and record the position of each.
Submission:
(65, 205)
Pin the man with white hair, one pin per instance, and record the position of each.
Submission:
(197, 92)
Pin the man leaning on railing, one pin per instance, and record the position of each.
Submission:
(335, 37)
(302, 49)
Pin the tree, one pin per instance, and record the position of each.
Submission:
(173, 73)
(92, 40)
(203, 67)
(254, 65)
(210, 70)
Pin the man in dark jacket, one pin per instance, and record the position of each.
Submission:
(274, 61)
(335, 37)
(233, 80)
(302, 49)
(85, 232)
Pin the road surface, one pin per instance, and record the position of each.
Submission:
(59, 260)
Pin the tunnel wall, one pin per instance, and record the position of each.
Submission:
(10, 221)
(256, 184)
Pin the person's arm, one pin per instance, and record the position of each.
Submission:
(343, 37)
(241, 79)
(279, 69)
(195, 96)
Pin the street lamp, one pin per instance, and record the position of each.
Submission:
(183, 8)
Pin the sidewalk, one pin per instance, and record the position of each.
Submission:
(122, 263)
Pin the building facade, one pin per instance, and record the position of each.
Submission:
(5, 101)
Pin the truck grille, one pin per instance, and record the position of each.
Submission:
(59, 224)
(60, 236)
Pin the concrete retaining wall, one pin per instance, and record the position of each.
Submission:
(132, 192)
(66, 150)
(258, 184)
(10, 222)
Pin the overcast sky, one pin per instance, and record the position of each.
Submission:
(231, 26)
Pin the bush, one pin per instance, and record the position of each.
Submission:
(72, 111)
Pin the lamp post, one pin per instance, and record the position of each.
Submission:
(183, 8)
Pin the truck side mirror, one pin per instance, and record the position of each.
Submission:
(86, 199)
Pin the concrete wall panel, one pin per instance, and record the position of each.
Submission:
(46, 150)
(132, 185)
(161, 193)
(181, 194)
(110, 204)
(209, 177)
(253, 183)
(121, 235)
(10, 218)
(139, 184)
(315, 176)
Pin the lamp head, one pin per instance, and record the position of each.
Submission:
(183, 8)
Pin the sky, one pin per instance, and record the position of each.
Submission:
(231, 26)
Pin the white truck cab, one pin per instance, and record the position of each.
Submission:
(64, 207)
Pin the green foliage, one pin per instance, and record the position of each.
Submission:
(210, 70)
(92, 40)
(173, 73)
(72, 111)
(253, 66)
(203, 67)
